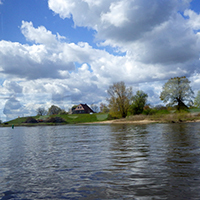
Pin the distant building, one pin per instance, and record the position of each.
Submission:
(82, 109)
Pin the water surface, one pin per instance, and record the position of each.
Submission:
(155, 161)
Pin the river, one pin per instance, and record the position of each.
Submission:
(142, 162)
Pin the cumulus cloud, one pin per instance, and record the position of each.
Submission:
(157, 41)
(150, 31)
(124, 20)
(47, 58)
(38, 35)
(194, 19)
(12, 86)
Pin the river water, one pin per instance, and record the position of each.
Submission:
(143, 162)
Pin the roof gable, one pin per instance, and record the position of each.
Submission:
(84, 107)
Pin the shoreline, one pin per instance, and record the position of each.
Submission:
(145, 121)
(130, 120)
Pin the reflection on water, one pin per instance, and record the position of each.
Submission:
(156, 161)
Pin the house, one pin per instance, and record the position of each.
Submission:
(82, 108)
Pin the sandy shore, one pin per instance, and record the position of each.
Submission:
(121, 121)
(145, 121)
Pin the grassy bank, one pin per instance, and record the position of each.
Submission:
(191, 116)
(68, 119)
(167, 118)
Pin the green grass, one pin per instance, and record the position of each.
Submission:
(83, 118)
(70, 119)
(102, 117)
(194, 110)
(17, 120)
(161, 117)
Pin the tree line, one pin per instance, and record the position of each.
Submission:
(176, 93)
(53, 110)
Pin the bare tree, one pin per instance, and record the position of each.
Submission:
(104, 108)
(41, 111)
(120, 98)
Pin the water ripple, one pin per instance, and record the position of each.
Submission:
(156, 161)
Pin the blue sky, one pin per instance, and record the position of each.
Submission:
(77, 48)
(37, 11)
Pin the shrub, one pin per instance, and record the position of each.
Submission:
(62, 112)
(31, 120)
(56, 120)
(149, 111)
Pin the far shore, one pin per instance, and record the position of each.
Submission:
(145, 121)
(102, 119)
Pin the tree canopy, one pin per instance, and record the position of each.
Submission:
(177, 91)
(54, 110)
(120, 97)
(139, 100)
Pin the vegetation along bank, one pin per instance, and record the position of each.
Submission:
(124, 107)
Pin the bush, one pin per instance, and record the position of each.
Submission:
(112, 117)
(149, 111)
(31, 120)
(162, 112)
(55, 120)
(62, 112)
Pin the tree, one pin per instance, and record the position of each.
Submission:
(177, 91)
(41, 111)
(139, 101)
(54, 110)
(197, 100)
(104, 108)
(120, 98)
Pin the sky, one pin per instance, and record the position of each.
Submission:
(67, 52)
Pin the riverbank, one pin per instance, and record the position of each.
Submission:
(137, 122)
(149, 119)
(104, 119)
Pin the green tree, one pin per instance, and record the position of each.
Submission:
(138, 102)
(54, 110)
(119, 100)
(197, 100)
(177, 91)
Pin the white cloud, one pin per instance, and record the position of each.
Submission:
(152, 32)
(157, 41)
(118, 10)
(47, 58)
(12, 86)
(37, 35)
(194, 19)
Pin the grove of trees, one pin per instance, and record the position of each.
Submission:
(176, 93)
(121, 100)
